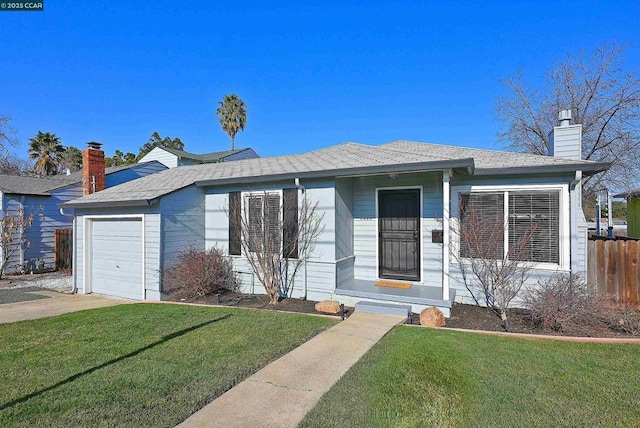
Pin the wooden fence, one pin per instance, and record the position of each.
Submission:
(64, 250)
(614, 266)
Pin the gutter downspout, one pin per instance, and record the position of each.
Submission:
(22, 267)
(303, 190)
(74, 289)
(576, 187)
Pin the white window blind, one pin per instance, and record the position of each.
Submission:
(532, 228)
(264, 222)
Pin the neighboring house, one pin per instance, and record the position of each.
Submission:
(172, 158)
(126, 235)
(633, 211)
(44, 195)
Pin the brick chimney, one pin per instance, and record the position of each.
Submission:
(93, 176)
(565, 141)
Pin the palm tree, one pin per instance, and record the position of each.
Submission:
(232, 115)
(46, 149)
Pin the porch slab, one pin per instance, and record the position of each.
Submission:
(417, 294)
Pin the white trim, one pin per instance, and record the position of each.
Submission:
(377, 189)
(564, 244)
(446, 205)
(86, 248)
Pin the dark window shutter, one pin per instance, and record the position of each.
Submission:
(290, 223)
(235, 223)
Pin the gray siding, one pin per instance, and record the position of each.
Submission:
(566, 142)
(245, 154)
(344, 218)
(365, 223)
(129, 174)
(41, 235)
(320, 268)
(183, 222)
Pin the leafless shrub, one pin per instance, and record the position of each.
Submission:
(565, 303)
(199, 273)
(623, 317)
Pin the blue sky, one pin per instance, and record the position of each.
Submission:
(313, 74)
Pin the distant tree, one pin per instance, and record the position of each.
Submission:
(47, 151)
(157, 141)
(72, 159)
(12, 165)
(603, 96)
(120, 158)
(7, 136)
(232, 115)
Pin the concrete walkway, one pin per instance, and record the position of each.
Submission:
(55, 304)
(282, 393)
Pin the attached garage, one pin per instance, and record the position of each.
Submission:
(115, 256)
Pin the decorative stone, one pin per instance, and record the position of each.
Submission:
(328, 307)
(432, 317)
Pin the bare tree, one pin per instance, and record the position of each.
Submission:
(7, 136)
(493, 274)
(13, 238)
(12, 165)
(277, 239)
(603, 96)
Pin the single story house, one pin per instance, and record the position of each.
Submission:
(43, 197)
(633, 211)
(172, 158)
(388, 212)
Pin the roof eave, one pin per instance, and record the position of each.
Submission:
(110, 204)
(589, 169)
(466, 165)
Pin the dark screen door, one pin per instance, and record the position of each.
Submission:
(399, 234)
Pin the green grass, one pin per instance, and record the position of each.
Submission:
(420, 377)
(136, 365)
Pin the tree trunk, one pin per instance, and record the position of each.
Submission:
(505, 320)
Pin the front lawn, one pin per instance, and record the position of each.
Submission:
(136, 365)
(423, 377)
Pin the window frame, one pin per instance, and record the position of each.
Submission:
(564, 230)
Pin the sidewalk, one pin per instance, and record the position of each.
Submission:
(282, 393)
(53, 304)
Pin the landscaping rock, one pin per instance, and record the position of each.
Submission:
(432, 317)
(328, 307)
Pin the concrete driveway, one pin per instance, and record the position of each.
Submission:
(32, 303)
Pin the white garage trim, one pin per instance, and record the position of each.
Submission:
(86, 245)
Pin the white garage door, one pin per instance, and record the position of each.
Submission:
(116, 257)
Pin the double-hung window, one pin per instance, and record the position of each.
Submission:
(521, 225)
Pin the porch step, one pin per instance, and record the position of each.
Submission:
(383, 308)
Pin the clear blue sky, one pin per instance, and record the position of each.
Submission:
(313, 74)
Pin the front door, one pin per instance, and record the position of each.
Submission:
(399, 234)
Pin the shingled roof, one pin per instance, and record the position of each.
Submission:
(43, 186)
(205, 157)
(348, 159)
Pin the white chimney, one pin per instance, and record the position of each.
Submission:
(565, 141)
